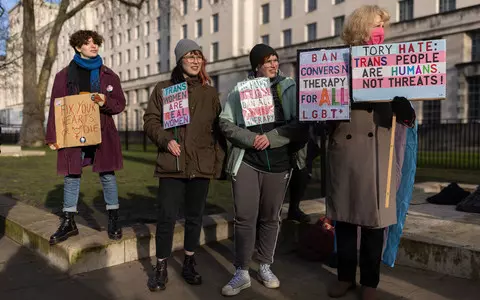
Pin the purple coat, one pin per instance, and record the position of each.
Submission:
(108, 154)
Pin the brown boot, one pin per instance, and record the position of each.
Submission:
(369, 293)
(340, 288)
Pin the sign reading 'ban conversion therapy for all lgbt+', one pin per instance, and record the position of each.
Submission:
(414, 70)
(323, 91)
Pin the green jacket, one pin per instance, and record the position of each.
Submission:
(240, 138)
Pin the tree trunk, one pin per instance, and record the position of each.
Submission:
(32, 132)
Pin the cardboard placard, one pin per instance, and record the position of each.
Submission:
(77, 121)
(324, 84)
(257, 101)
(414, 70)
(175, 106)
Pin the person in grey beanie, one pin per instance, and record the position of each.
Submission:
(189, 156)
(259, 162)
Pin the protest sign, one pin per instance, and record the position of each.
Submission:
(323, 84)
(257, 101)
(77, 121)
(414, 70)
(175, 106)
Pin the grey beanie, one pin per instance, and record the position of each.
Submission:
(183, 47)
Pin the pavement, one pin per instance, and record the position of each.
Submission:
(25, 275)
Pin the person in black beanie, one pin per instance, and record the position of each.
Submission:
(259, 162)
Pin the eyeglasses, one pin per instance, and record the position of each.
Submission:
(192, 58)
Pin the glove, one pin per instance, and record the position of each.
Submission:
(404, 111)
(97, 99)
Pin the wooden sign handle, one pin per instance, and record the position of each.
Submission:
(390, 161)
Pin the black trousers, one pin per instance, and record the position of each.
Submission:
(370, 253)
(171, 193)
(298, 185)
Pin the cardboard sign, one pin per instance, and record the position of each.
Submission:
(77, 121)
(414, 70)
(324, 81)
(257, 101)
(175, 106)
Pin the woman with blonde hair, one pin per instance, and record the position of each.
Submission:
(358, 157)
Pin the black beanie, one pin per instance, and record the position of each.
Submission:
(258, 54)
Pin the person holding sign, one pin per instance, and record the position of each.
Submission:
(87, 74)
(357, 169)
(259, 120)
(182, 121)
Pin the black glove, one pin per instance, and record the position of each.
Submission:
(404, 111)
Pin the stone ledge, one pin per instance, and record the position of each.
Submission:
(436, 187)
(436, 238)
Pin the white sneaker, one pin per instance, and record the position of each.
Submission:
(266, 276)
(239, 282)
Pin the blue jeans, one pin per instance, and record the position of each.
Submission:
(71, 190)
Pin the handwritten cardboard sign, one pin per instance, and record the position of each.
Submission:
(77, 121)
(175, 106)
(257, 101)
(324, 80)
(414, 70)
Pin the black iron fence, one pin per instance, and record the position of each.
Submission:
(442, 144)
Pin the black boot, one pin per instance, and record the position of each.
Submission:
(161, 277)
(114, 229)
(66, 229)
(188, 272)
(295, 214)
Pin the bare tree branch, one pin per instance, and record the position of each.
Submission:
(138, 4)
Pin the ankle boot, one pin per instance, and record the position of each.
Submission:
(114, 228)
(161, 277)
(188, 272)
(66, 229)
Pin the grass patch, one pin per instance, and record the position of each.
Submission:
(454, 160)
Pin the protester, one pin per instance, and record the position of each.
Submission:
(357, 160)
(188, 157)
(259, 162)
(87, 74)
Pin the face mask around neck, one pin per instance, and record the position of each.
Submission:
(377, 36)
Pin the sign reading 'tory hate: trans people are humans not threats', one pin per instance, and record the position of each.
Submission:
(257, 101)
(175, 106)
(324, 79)
(414, 70)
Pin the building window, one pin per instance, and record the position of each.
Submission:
(311, 32)
(159, 45)
(312, 5)
(110, 41)
(446, 5)
(215, 23)
(120, 76)
(147, 50)
(147, 28)
(338, 25)
(473, 97)
(215, 81)
(184, 31)
(128, 57)
(264, 39)
(137, 31)
(159, 67)
(287, 8)
(287, 37)
(185, 7)
(265, 13)
(147, 70)
(129, 75)
(119, 58)
(338, 1)
(137, 53)
(475, 45)
(199, 4)
(147, 6)
(119, 39)
(405, 10)
(159, 24)
(137, 71)
(215, 51)
(199, 28)
(129, 36)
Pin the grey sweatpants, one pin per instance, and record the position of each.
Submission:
(258, 199)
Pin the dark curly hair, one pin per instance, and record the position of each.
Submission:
(81, 37)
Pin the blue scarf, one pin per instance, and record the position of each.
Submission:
(93, 65)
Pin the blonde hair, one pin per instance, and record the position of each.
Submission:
(359, 24)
